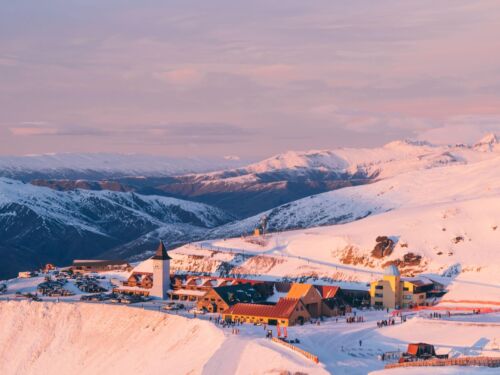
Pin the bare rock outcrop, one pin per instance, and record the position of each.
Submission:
(383, 248)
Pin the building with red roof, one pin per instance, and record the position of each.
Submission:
(287, 312)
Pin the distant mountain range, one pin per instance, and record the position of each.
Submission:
(39, 225)
(123, 213)
(74, 166)
(247, 190)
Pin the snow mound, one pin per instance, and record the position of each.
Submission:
(51, 338)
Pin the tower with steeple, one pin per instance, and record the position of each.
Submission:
(161, 272)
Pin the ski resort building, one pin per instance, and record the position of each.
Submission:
(99, 265)
(309, 295)
(154, 284)
(222, 298)
(193, 288)
(396, 292)
(140, 279)
(161, 272)
(287, 312)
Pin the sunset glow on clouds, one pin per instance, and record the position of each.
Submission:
(247, 79)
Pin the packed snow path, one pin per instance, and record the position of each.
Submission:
(226, 358)
(282, 251)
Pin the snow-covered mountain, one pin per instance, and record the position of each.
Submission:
(442, 220)
(418, 188)
(39, 224)
(105, 166)
(293, 175)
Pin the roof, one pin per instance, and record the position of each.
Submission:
(98, 262)
(283, 309)
(189, 292)
(420, 348)
(161, 252)
(391, 270)
(299, 290)
(233, 294)
(419, 281)
(140, 276)
(327, 291)
(282, 287)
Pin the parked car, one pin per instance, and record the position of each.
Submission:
(197, 311)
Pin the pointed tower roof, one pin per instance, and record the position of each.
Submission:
(161, 252)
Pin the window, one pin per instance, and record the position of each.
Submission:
(378, 295)
(378, 304)
(406, 289)
(408, 296)
(379, 287)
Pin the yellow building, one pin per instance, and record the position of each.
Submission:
(394, 292)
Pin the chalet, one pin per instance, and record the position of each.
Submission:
(194, 287)
(140, 279)
(287, 312)
(309, 295)
(221, 298)
(97, 265)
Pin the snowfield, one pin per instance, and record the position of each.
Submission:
(80, 338)
(83, 338)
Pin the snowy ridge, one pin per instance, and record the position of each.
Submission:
(74, 205)
(39, 225)
(390, 160)
(418, 188)
(110, 165)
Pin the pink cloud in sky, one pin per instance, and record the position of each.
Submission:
(250, 79)
(182, 76)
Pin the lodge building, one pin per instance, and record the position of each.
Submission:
(287, 312)
(395, 292)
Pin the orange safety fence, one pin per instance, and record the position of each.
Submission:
(306, 354)
(461, 361)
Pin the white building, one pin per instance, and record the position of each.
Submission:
(161, 272)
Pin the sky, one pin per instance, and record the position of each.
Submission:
(246, 79)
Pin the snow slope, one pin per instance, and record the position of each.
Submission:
(49, 338)
(80, 338)
(413, 189)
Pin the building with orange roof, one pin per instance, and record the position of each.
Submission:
(309, 295)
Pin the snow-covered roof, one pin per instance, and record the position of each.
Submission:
(189, 292)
